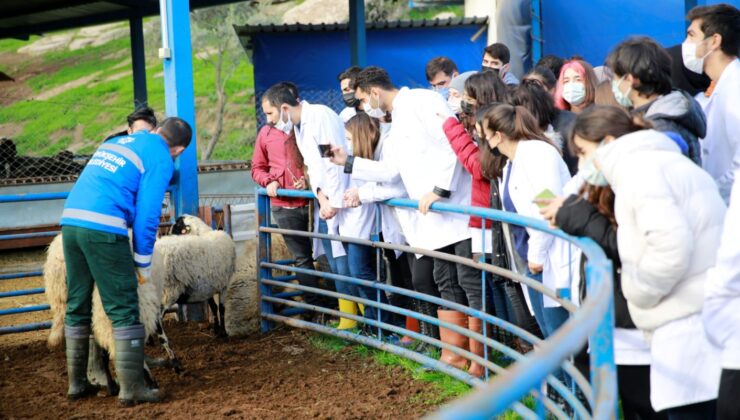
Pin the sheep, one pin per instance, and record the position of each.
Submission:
(14, 166)
(195, 263)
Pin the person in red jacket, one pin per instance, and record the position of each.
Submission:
(277, 163)
(481, 90)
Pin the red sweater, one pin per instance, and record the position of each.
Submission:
(272, 162)
(468, 154)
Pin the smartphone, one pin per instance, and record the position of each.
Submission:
(546, 194)
(325, 150)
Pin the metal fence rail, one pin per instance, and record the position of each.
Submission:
(592, 322)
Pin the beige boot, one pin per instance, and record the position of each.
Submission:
(476, 347)
(451, 337)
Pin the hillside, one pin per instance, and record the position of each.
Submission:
(73, 88)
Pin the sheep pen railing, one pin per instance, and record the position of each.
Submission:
(504, 388)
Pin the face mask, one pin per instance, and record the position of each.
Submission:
(622, 98)
(349, 99)
(496, 71)
(454, 102)
(284, 126)
(590, 173)
(574, 93)
(494, 150)
(690, 60)
(373, 112)
(466, 107)
(444, 91)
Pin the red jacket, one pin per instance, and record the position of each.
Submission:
(272, 162)
(468, 154)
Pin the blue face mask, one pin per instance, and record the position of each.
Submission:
(622, 98)
(444, 91)
(591, 174)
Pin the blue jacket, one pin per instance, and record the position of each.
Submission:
(122, 187)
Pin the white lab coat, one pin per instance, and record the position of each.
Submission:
(720, 148)
(419, 154)
(371, 192)
(721, 315)
(538, 166)
(347, 113)
(320, 125)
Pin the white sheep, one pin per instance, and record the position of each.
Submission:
(194, 264)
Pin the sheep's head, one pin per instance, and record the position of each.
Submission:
(189, 225)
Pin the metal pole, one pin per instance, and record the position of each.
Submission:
(263, 255)
(138, 61)
(537, 41)
(357, 36)
(15, 198)
(179, 98)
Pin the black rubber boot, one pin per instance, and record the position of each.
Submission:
(129, 342)
(76, 342)
(426, 328)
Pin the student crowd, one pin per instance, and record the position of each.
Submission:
(640, 155)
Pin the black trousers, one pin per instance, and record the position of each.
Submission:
(300, 247)
(422, 275)
(400, 276)
(728, 401)
(699, 411)
(457, 282)
(634, 391)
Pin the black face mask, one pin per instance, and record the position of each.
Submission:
(466, 107)
(495, 151)
(495, 71)
(350, 100)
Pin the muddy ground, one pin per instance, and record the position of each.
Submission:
(278, 375)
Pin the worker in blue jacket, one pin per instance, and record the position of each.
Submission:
(121, 188)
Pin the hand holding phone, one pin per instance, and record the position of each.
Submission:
(325, 150)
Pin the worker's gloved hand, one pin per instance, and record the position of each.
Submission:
(143, 274)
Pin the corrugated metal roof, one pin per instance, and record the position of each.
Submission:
(246, 30)
(21, 18)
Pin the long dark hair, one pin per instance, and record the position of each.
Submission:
(518, 124)
(593, 125)
(485, 88)
(537, 101)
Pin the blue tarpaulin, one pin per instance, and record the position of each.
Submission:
(592, 28)
(313, 59)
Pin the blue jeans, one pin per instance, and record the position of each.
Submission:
(538, 307)
(362, 266)
(501, 304)
(549, 319)
(338, 265)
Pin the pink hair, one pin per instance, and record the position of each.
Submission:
(578, 67)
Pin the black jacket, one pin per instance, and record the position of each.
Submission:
(578, 217)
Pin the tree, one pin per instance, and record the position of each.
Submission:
(215, 42)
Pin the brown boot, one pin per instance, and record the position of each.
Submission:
(476, 347)
(453, 338)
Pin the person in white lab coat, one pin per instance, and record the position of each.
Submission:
(669, 216)
(528, 164)
(396, 223)
(352, 105)
(421, 156)
(721, 316)
(315, 125)
(711, 46)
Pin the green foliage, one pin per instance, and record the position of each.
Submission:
(419, 13)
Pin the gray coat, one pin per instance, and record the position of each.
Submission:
(681, 113)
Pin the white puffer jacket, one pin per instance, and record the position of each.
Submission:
(670, 217)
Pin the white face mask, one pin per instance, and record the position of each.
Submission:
(690, 60)
(371, 111)
(574, 93)
(284, 126)
(454, 102)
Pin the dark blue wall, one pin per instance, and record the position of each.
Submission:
(591, 28)
(312, 60)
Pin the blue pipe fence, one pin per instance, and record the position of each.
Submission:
(16, 198)
(502, 388)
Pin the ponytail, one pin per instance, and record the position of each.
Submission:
(518, 124)
(599, 121)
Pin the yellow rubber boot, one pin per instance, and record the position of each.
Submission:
(348, 307)
(362, 308)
